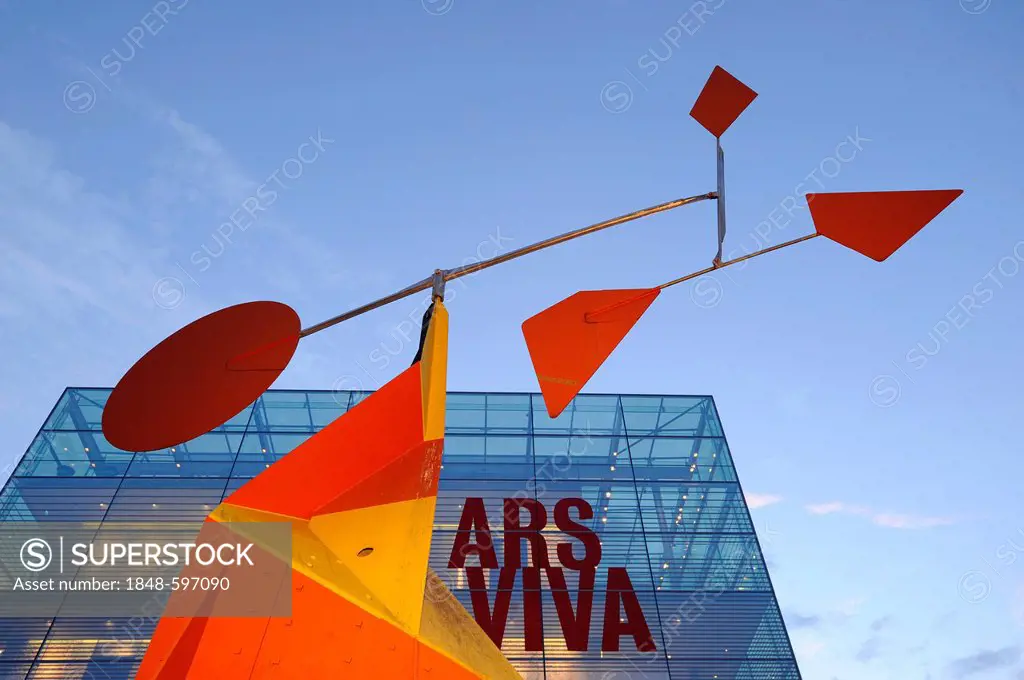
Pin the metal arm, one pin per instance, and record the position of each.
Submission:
(594, 316)
(568, 236)
(465, 270)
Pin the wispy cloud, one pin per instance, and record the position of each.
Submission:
(850, 607)
(794, 620)
(873, 647)
(836, 506)
(984, 661)
(67, 247)
(882, 519)
(760, 500)
(77, 268)
(910, 521)
(879, 624)
(870, 649)
(201, 169)
(807, 647)
(80, 256)
(837, 615)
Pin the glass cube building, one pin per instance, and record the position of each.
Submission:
(655, 470)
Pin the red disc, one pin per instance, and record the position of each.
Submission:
(202, 376)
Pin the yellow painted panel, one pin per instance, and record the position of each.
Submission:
(394, 539)
(452, 631)
(434, 373)
(312, 557)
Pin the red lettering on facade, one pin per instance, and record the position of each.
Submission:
(533, 611)
(575, 626)
(492, 623)
(620, 589)
(474, 515)
(515, 532)
(622, 613)
(591, 543)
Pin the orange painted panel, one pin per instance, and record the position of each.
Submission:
(355, 446)
(164, 651)
(167, 636)
(877, 223)
(412, 476)
(329, 637)
(228, 650)
(721, 102)
(183, 654)
(432, 665)
(570, 340)
(222, 648)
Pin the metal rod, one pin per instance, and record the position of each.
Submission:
(465, 270)
(437, 285)
(589, 316)
(720, 160)
(405, 292)
(568, 236)
(702, 272)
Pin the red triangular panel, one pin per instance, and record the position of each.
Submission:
(570, 340)
(876, 223)
(721, 102)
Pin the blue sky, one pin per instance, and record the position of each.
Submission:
(873, 419)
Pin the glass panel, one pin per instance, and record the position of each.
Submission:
(595, 415)
(565, 458)
(43, 499)
(686, 458)
(239, 422)
(86, 408)
(59, 416)
(165, 500)
(544, 424)
(466, 457)
(693, 508)
(692, 416)
(326, 407)
(465, 413)
(22, 638)
(282, 412)
(508, 413)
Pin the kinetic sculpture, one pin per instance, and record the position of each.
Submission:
(361, 524)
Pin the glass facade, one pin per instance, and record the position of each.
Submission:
(651, 476)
